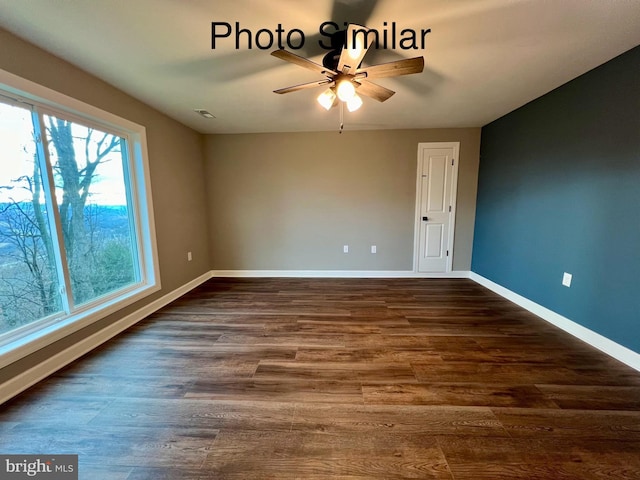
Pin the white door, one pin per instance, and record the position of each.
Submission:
(435, 206)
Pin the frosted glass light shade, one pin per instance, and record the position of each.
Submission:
(354, 103)
(327, 98)
(346, 90)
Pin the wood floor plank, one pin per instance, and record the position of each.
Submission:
(475, 450)
(555, 471)
(353, 379)
(291, 339)
(103, 472)
(338, 371)
(201, 414)
(116, 446)
(315, 456)
(590, 424)
(527, 373)
(316, 328)
(593, 397)
(458, 394)
(85, 387)
(369, 355)
(48, 410)
(207, 365)
(393, 419)
(278, 390)
(160, 473)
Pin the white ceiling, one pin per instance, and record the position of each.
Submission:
(484, 58)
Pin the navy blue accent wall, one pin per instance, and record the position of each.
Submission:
(559, 191)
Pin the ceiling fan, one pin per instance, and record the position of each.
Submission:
(344, 76)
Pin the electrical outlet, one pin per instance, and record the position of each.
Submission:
(566, 279)
(374, 249)
(345, 249)
(189, 256)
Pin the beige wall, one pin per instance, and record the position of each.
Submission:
(176, 170)
(290, 201)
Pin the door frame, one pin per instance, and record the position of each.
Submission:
(453, 201)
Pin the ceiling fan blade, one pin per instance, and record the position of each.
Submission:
(303, 62)
(373, 90)
(393, 69)
(355, 49)
(302, 86)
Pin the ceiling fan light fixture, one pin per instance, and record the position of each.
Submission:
(354, 103)
(343, 72)
(327, 98)
(346, 90)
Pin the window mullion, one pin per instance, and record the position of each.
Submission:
(134, 220)
(57, 239)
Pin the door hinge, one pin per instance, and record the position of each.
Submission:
(452, 160)
(447, 253)
(449, 208)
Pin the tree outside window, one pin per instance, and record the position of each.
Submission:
(66, 216)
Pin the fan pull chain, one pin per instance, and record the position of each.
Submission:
(341, 117)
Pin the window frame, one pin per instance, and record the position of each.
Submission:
(32, 337)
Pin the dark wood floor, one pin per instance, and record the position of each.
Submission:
(350, 379)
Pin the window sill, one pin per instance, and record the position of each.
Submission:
(30, 343)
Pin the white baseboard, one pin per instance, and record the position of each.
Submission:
(337, 274)
(617, 351)
(39, 372)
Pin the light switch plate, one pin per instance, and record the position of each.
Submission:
(566, 279)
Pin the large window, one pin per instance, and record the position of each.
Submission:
(76, 237)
